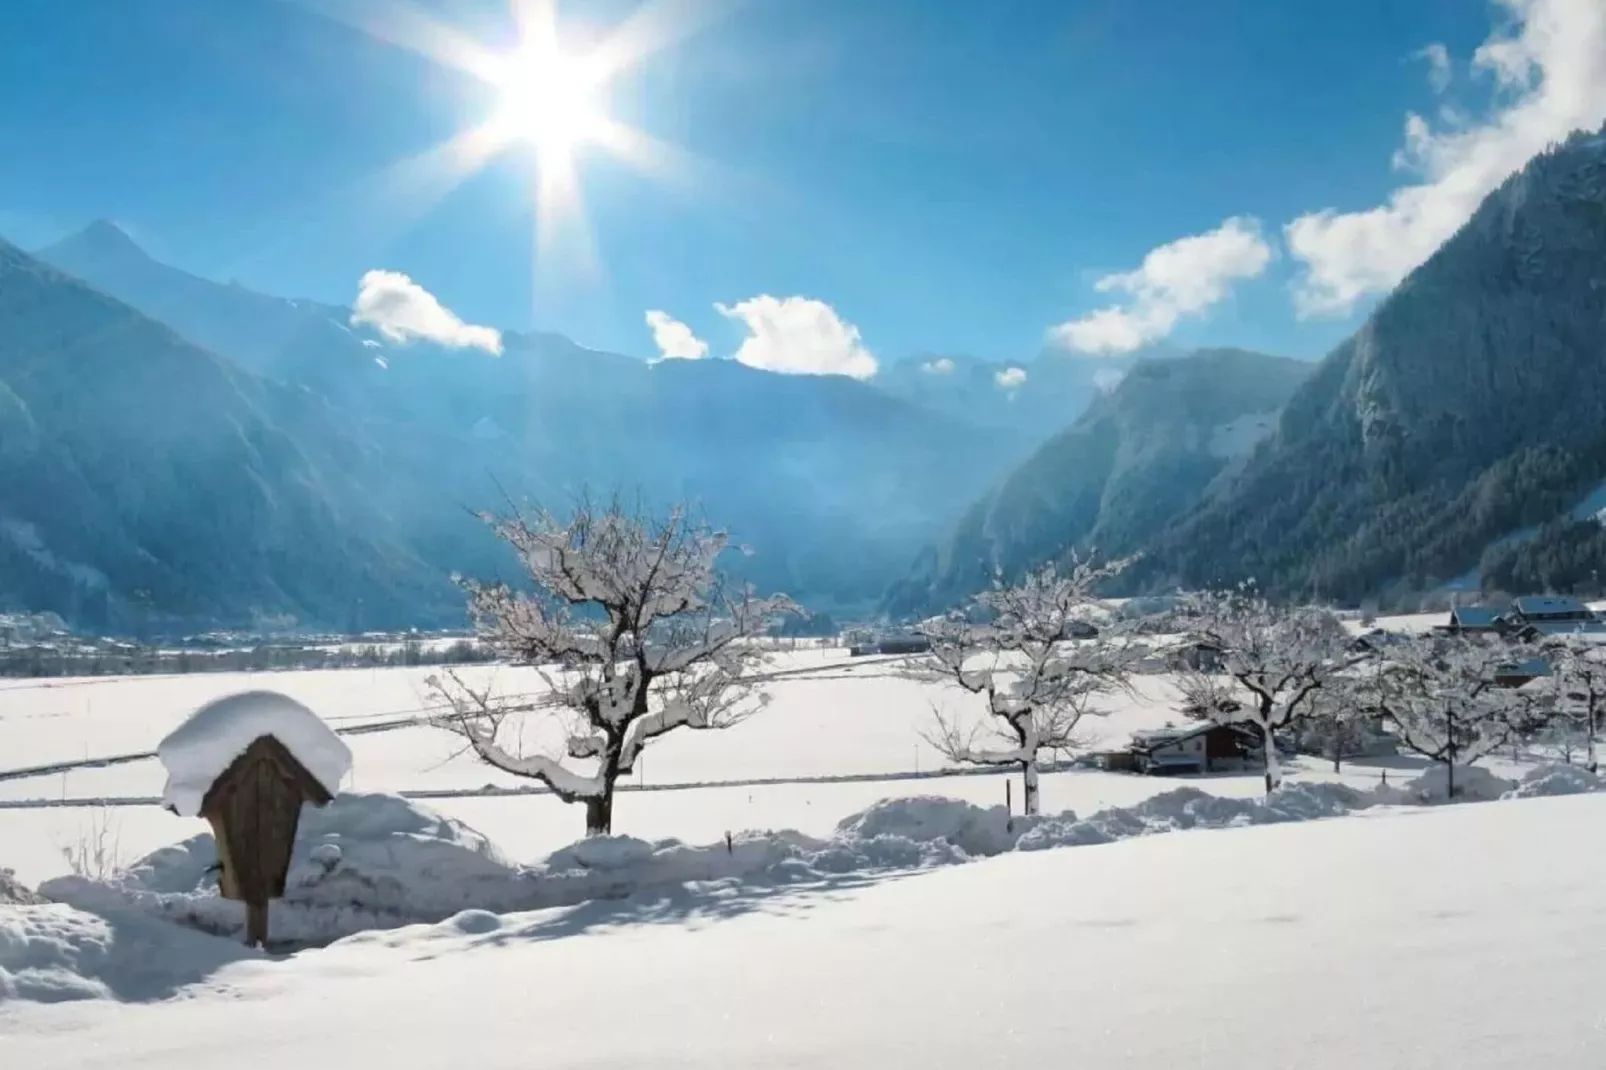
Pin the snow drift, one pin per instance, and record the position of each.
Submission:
(375, 862)
(1548, 780)
(379, 861)
(52, 952)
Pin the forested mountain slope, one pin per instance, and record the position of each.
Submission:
(1137, 458)
(1471, 403)
(143, 479)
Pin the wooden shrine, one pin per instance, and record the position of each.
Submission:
(254, 807)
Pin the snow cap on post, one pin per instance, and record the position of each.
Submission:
(198, 751)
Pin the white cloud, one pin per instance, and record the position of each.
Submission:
(1438, 61)
(402, 310)
(799, 336)
(1549, 67)
(1107, 379)
(1010, 378)
(940, 366)
(1181, 279)
(675, 340)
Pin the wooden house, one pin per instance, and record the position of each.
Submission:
(1202, 748)
(1474, 619)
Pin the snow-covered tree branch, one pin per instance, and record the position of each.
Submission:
(634, 632)
(1579, 681)
(1441, 697)
(1266, 666)
(1041, 652)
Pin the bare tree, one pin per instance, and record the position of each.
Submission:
(1266, 666)
(1041, 651)
(634, 633)
(1579, 680)
(1336, 727)
(1440, 694)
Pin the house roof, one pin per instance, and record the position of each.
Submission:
(1150, 738)
(1525, 667)
(1153, 738)
(1474, 616)
(1537, 605)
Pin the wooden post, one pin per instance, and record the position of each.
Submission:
(1009, 797)
(254, 807)
(256, 924)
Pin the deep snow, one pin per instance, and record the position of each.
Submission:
(377, 861)
(1459, 936)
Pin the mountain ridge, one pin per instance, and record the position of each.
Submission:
(1467, 406)
(1139, 455)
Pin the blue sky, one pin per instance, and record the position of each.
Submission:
(935, 175)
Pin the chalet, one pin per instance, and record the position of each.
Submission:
(1375, 641)
(1589, 631)
(1518, 673)
(902, 644)
(1204, 748)
(1549, 610)
(1477, 619)
(1197, 656)
(1535, 618)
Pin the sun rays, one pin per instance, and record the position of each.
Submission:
(549, 101)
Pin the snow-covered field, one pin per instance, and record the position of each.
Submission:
(1460, 936)
(915, 933)
(840, 717)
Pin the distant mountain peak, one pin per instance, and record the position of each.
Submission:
(101, 239)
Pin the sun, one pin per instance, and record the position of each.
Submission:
(548, 98)
(549, 101)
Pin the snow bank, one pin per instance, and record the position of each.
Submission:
(1473, 783)
(201, 748)
(369, 862)
(1190, 808)
(51, 953)
(928, 818)
(1555, 780)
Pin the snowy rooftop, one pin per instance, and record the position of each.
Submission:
(199, 750)
(1547, 605)
(1474, 616)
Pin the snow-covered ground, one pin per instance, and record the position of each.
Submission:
(1459, 936)
(841, 717)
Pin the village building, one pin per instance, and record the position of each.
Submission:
(1475, 619)
(1202, 748)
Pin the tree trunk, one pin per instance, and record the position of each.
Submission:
(256, 925)
(1449, 789)
(599, 813)
(1029, 803)
(599, 810)
(1274, 773)
(1592, 766)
